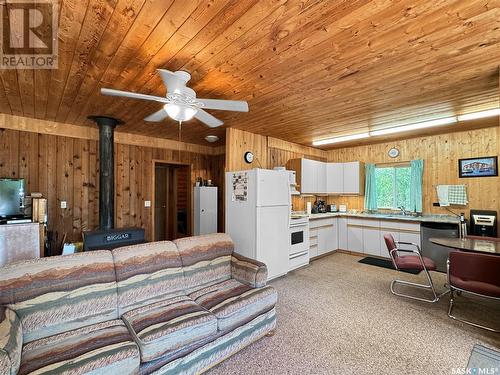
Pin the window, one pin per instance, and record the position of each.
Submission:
(393, 186)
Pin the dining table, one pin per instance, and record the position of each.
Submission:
(476, 245)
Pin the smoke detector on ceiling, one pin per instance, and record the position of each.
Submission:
(211, 138)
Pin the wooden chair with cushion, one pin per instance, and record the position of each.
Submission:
(474, 273)
(411, 262)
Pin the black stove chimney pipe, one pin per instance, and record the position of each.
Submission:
(106, 170)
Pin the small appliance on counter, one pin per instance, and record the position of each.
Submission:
(319, 207)
(342, 208)
(483, 223)
(331, 208)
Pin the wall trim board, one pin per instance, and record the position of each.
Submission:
(295, 147)
(33, 125)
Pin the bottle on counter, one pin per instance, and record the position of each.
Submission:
(463, 226)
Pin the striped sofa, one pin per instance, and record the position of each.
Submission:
(157, 308)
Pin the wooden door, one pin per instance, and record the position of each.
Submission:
(172, 201)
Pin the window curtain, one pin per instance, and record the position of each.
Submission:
(416, 183)
(370, 187)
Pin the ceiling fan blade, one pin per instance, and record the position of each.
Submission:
(208, 119)
(225, 105)
(133, 95)
(157, 116)
(174, 80)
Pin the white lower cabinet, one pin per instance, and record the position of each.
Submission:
(355, 239)
(342, 231)
(327, 239)
(371, 241)
(313, 241)
(364, 236)
(323, 235)
(313, 251)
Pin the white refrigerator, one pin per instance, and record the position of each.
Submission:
(205, 210)
(258, 216)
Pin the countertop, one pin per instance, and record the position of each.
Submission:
(381, 216)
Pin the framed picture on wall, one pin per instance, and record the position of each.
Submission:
(478, 167)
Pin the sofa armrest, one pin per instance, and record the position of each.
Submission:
(248, 271)
(11, 341)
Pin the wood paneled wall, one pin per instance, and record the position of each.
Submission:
(279, 152)
(270, 152)
(237, 143)
(66, 169)
(440, 154)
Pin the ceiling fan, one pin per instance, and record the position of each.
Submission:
(180, 102)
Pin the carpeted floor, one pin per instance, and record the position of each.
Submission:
(337, 316)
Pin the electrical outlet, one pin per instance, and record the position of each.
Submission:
(147, 203)
(64, 204)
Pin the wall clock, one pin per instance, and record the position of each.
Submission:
(393, 152)
(248, 157)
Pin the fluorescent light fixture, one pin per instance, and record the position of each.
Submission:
(418, 125)
(340, 139)
(482, 114)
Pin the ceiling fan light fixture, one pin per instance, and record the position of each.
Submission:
(180, 112)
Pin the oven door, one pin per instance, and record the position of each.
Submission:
(299, 239)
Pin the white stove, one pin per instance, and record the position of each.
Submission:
(299, 241)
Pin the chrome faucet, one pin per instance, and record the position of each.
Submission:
(403, 210)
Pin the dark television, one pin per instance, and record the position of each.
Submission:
(11, 197)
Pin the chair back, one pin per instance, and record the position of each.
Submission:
(391, 245)
(474, 267)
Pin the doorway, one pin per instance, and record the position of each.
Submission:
(172, 201)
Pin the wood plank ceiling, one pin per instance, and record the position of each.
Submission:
(309, 69)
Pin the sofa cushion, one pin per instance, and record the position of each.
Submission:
(234, 303)
(11, 341)
(206, 259)
(59, 294)
(169, 326)
(105, 348)
(147, 273)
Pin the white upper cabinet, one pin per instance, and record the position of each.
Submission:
(335, 178)
(354, 181)
(317, 177)
(321, 177)
(308, 176)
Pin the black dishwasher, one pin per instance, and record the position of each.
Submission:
(439, 254)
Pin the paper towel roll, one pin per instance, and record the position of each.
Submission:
(308, 208)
